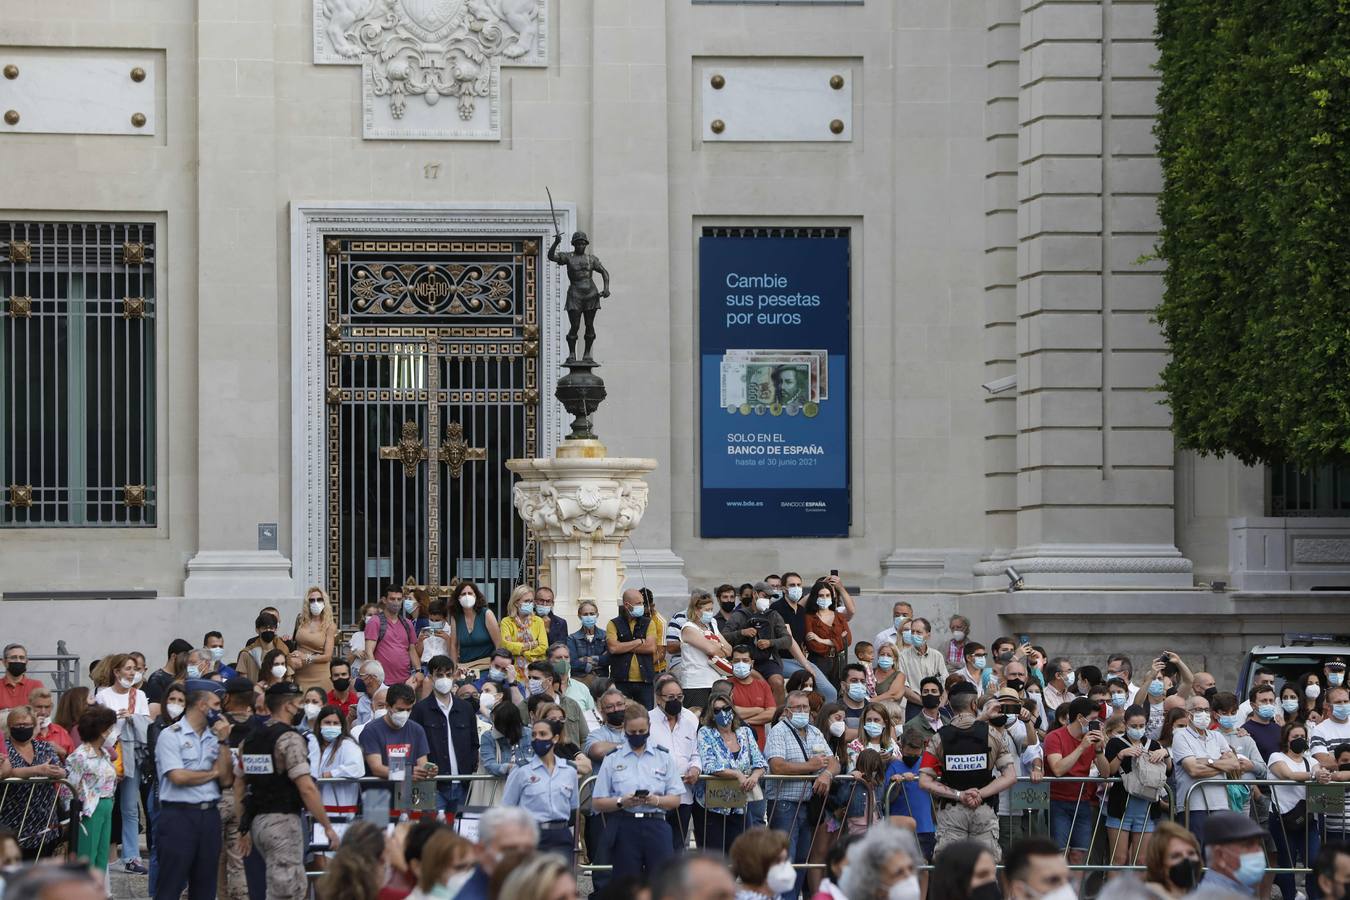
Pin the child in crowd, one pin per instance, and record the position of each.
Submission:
(433, 640)
(866, 656)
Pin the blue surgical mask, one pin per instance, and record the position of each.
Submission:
(899, 622)
(536, 686)
(1266, 711)
(800, 720)
(794, 592)
(1120, 701)
(409, 605)
(873, 729)
(217, 653)
(884, 662)
(194, 671)
(1156, 688)
(740, 669)
(330, 733)
(1135, 734)
(708, 617)
(496, 674)
(527, 609)
(1251, 867)
(1340, 711)
(638, 611)
(824, 602)
(588, 621)
(723, 717)
(1228, 723)
(435, 625)
(857, 692)
(1289, 704)
(916, 639)
(980, 662)
(212, 716)
(1335, 678)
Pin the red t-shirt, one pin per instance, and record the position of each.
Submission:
(59, 737)
(344, 703)
(756, 693)
(12, 695)
(1062, 742)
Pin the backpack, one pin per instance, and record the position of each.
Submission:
(384, 626)
(1145, 779)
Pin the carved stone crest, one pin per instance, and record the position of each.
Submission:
(431, 68)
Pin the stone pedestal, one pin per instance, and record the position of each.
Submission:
(580, 506)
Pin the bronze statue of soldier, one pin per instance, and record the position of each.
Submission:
(583, 299)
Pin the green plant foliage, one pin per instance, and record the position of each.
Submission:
(1254, 135)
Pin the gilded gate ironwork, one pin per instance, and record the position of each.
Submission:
(431, 384)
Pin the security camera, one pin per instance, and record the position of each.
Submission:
(1015, 580)
(999, 385)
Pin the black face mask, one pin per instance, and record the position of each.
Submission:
(932, 701)
(22, 734)
(1185, 874)
(615, 719)
(267, 637)
(910, 760)
(1210, 692)
(16, 669)
(1016, 684)
(672, 707)
(1299, 745)
(340, 685)
(987, 891)
(998, 721)
(728, 606)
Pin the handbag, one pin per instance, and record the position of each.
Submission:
(1239, 795)
(484, 793)
(1296, 820)
(1145, 779)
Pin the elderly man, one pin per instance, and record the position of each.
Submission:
(631, 638)
(503, 831)
(695, 876)
(14, 687)
(898, 634)
(919, 661)
(1201, 755)
(372, 678)
(884, 864)
(1234, 854)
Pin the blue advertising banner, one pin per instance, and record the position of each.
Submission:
(774, 391)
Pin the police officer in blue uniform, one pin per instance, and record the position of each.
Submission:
(640, 782)
(546, 788)
(192, 770)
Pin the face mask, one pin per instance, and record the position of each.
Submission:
(588, 621)
(173, 709)
(16, 669)
(824, 601)
(838, 728)
(278, 671)
(443, 685)
(435, 626)
(468, 601)
(1016, 684)
(1340, 711)
(315, 607)
(1200, 721)
(1120, 701)
(137, 677)
(873, 729)
(340, 685)
(1299, 745)
(1135, 734)
(909, 761)
(536, 686)
(762, 604)
(800, 720)
(672, 707)
(1210, 692)
(194, 672)
(312, 711)
(1156, 688)
(1251, 867)
(409, 606)
(1185, 874)
(917, 640)
(1335, 678)
(527, 609)
(22, 734)
(899, 623)
(782, 878)
(127, 683)
(1289, 704)
(217, 653)
(958, 635)
(905, 889)
(980, 662)
(727, 605)
(267, 637)
(541, 747)
(496, 674)
(740, 669)
(1228, 723)
(1266, 711)
(543, 610)
(486, 702)
(906, 638)
(723, 718)
(857, 692)
(452, 886)
(636, 741)
(1312, 691)
(399, 719)
(212, 716)
(884, 662)
(614, 719)
(707, 617)
(110, 740)
(330, 733)
(998, 720)
(1063, 892)
(794, 593)
(638, 611)
(931, 701)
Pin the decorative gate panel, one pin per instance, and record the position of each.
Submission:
(431, 354)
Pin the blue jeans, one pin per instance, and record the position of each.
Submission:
(450, 797)
(792, 818)
(823, 686)
(1072, 823)
(1290, 848)
(129, 805)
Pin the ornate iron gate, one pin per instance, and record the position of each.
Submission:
(431, 355)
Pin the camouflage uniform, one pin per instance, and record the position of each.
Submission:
(280, 837)
(232, 884)
(953, 821)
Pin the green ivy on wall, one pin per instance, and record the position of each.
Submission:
(1254, 135)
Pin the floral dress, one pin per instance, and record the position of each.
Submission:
(32, 814)
(93, 775)
(714, 756)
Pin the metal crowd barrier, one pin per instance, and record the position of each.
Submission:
(1321, 801)
(51, 820)
(64, 670)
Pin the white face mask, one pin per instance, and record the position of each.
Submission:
(127, 683)
(468, 601)
(137, 677)
(399, 719)
(958, 636)
(1063, 892)
(315, 607)
(838, 728)
(904, 889)
(173, 709)
(278, 671)
(443, 685)
(486, 702)
(781, 878)
(762, 604)
(455, 882)
(312, 710)
(1200, 721)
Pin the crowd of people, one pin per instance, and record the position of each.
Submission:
(442, 751)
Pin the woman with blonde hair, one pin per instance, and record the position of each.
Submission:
(315, 636)
(703, 651)
(354, 872)
(524, 633)
(545, 876)
(447, 862)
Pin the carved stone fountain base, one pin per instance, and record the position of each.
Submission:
(580, 508)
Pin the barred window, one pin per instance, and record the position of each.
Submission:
(1320, 491)
(77, 374)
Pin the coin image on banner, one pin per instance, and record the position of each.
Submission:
(811, 409)
(775, 409)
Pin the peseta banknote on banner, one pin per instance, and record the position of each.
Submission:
(774, 381)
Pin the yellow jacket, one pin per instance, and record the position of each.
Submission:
(513, 638)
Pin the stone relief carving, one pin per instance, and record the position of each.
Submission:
(589, 508)
(1321, 550)
(432, 50)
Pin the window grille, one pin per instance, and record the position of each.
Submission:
(77, 374)
(1320, 491)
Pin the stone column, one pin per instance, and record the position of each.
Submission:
(580, 511)
(1094, 447)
